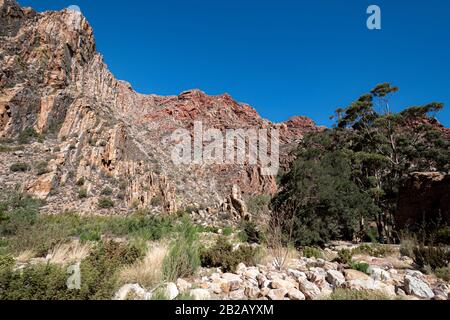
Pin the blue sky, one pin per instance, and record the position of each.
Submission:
(283, 57)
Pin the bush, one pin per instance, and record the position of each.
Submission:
(443, 273)
(344, 256)
(222, 255)
(48, 282)
(42, 168)
(433, 257)
(81, 182)
(105, 203)
(443, 235)
(156, 200)
(26, 135)
(374, 250)
(227, 231)
(348, 294)
(250, 233)
(19, 211)
(182, 259)
(107, 191)
(82, 193)
(20, 167)
(37, 282)
(360, 266)
(310, 252)
(258, 204)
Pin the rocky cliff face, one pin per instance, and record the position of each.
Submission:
(96, 135)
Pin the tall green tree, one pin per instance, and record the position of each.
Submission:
(355, 169)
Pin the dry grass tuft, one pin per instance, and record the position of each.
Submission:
(25, 256)
(148, 271)
(68, 253)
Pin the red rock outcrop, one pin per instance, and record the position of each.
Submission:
(53, 80)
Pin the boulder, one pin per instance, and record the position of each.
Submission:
(378, 273)
(296, 274)
(252, 292)
(309, 289)
(294, 294)
(241, 268)
(132, 291)
(416, 287)
(277, 294)
(371, 285)
(335, 278)
(231, 282)
(171, 291)
(355, 275)
(281, 284)
(237, 295)
(251, 273)
(200, 294)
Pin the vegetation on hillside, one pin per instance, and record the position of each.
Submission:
(346, 179)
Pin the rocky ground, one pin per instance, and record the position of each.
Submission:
(390, 277)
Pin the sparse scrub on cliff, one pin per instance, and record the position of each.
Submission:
(106, 191)
(27, 135)
(258, 204)
(82, 193)
(105, 203)
(250, 233)
(20, 167)
(80, 182)
(42, 168)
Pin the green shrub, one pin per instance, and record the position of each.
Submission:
(222, 255)
(19, 211)
(443, 235)
(360, 266)
(182, 260)
(374, 250)
(42, 168)
(105, 203)
(348, 294)
(48, 282)
(258, 204)
(443, 273)
(310, 252)
(107, 191)
(156, 200)
(19, 167)
(37, 282)
(344, 256)
(6, 262)
(227, 231)
(81, 182)
(82, 193)
(27, 135)
(250, 233)
(433, 257)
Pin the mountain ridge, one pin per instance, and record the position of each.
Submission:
(54, 81)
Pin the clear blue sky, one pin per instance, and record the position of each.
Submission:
(283, 57)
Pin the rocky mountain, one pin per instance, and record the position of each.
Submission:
(92, 135)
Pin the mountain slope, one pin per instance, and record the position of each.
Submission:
(98, 137)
